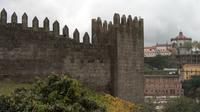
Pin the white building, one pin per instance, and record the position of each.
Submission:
(158, 49)
(180, 45)
(179, 42)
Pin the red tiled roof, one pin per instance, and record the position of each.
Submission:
(181, 37)
(163, 45)
(152, 47)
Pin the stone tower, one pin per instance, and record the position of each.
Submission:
(112, 63)
(128, 59)
(125, 40)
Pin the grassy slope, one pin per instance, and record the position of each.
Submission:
(113, 104)
(7, 87)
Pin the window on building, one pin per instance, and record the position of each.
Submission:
(172, 91)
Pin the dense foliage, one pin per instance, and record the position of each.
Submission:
(192, 87)
(196, 45)
(56, 94)
(187, 45)
(158, 62)
(62, 94)
(182, 104)
(149, 107)
(149, 70)
(5, 104)
(191, 102)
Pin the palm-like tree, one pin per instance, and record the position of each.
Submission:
(198, 45)
(187, 45)
(195, 45)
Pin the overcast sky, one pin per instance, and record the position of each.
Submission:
(163, 19)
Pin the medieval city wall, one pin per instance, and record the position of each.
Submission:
(27, 52)
(112, 62)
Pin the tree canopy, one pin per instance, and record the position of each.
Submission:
(196, 45)
(192, 87)
(158, 62)
(188, 45)
(56, 94)
(59, 93)
(182, 104)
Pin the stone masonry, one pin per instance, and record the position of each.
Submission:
(112, 62)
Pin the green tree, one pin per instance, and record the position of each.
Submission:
(149, 107)
(182, 104)
(192, 87)
(158, 62)
(55, 94)
(195, 45)
(188, 45)
(6, 104)
(198, 45)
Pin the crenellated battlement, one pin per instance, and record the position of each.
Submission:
(117, 22)
(122, 24)
(112, 62)
(35, 26)
(99, 29)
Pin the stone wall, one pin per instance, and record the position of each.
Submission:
(128, 58)
(112, 63)
(28, 54)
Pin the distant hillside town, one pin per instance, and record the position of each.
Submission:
(178, 45)
(167, 66)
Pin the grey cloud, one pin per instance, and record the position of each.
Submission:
(163, 18)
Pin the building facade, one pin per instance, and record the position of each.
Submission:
(188, 59)
(189, 70)
(112, 63)
(179, 45)
(158, 49)
(158, 89)
(182, 44)
(162, 85)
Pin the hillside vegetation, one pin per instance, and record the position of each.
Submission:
(62, 94)
(7, 87)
